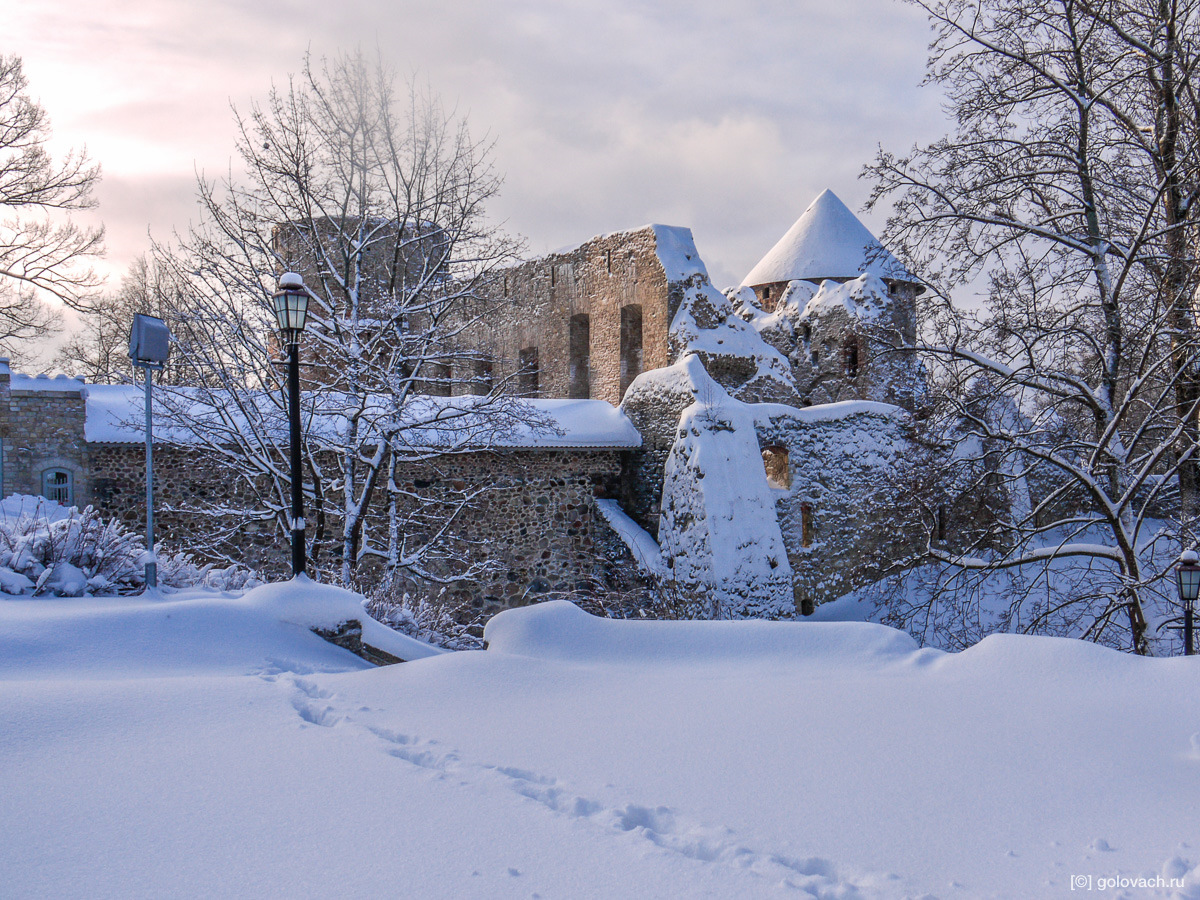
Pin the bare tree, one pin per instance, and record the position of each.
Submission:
(42, 252)
(378, 201)
(1070, 184)
(99, 350)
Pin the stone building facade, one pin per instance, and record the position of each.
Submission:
(42, 444)
(585, 322)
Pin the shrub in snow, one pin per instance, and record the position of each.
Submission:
(46, 548)
(432, 619)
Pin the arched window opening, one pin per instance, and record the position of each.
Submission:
(59, 485)
(631, 345)
(579, 351)
(775, 462)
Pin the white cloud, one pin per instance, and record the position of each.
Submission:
(728, 117)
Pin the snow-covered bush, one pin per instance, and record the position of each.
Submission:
(431, 619)
(46, 548)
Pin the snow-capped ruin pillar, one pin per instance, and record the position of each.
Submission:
(718, 532)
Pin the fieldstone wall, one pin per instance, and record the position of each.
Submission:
(842, 493)
(598, 279)
(42, 428)
(524, 521)
(189, 487)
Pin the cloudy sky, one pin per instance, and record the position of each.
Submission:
(727, 117)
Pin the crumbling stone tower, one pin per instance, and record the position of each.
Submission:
(832, 299)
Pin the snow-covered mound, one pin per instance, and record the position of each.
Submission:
(582, 758)
(560, 630)
(196, 630)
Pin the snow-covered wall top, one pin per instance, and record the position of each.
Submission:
(115, 415)
(677, 252)
(865, 298)
(59, 384)
(827, 241)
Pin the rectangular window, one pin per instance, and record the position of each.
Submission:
(775, 462)
(631, 345)
(806, 524)
(579, 348)
(851, 350)
(527, 375)
(438, 379)
(482, 381)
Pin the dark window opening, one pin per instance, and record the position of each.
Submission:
(527, 377)
(553, 276)
(608, 261)
(806, 524)
(813, 357)
(579, 349)
(851, 352)
(775, 462)
(437, 383)
(482, 382)
(505, 285)
(941, 523)
(807, 333)
(631, 345)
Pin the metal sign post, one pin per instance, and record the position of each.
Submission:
(149, 347)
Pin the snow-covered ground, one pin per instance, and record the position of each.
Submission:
(210, 746)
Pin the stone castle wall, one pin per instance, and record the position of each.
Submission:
(599, 280)
(525, 521)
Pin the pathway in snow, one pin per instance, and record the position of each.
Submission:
(645, 827)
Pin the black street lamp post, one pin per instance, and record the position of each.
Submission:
(291, 310)
(1187, 573)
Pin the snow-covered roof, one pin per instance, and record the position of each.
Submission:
(115, 415)
(827, 241)
(58, 384)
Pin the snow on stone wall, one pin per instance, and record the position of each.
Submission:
(734, 354)
(718, 534)
(844, 340)
(847, 512)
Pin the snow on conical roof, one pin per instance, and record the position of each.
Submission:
(827, 241)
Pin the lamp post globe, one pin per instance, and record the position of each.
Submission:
(291, 313)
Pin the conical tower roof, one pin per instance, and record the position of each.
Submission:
(827, 241)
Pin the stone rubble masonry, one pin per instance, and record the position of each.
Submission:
(597, 279)
(42, 429)
(527, 518)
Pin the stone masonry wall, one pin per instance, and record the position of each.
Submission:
(597, 279)
(526, 517)
(844, 511)
(43, 429)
